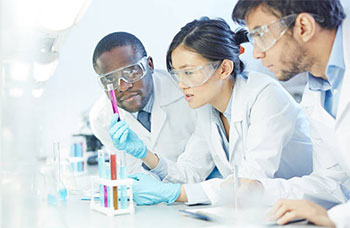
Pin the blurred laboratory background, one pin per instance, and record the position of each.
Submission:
(48, 83)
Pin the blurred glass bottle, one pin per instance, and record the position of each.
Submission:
(56, 190)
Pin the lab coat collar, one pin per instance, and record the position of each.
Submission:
(344, 101)
(237, 111)
(165, 95)
(312, 104)
(216, 142)
(309, 101)
(237, 99)
(238, 107)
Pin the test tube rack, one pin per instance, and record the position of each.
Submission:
(110, 211)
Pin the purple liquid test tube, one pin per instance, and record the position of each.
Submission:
(113, 99)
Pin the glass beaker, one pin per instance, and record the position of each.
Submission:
(56, 190)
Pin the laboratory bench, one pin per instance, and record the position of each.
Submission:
(77, 213)
(19, 208)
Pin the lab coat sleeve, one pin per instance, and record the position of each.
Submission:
(195, 164)
(161, 170)
(220, 191)
(340, 215)
(272, 124)
(100, 123)
(316, 187)
(192, 166)
(195, 194)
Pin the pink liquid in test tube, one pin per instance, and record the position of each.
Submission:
(113, 99)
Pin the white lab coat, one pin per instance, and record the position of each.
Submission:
(331, 139)
(268, 132)
(172, 122)
(340, 214)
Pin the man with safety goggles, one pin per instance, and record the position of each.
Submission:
(154, 116)
(129, 74)
(295, 36)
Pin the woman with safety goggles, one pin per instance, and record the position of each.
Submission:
(245, 120)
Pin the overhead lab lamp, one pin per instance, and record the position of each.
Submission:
(58, 15)
(49, 15)
(40, 26)
(54, 19)
(32, 39)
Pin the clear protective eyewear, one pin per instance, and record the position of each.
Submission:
(265, 36)
(129, 74)
(195, 76)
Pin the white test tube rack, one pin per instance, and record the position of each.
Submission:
(110, 211)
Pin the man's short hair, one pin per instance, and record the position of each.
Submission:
(117, 39)
(330, 12)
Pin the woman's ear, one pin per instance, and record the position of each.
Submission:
(225, 69)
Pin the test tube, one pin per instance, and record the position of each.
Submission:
(108, 173)
(122, 166)
(113, 162)
(113, 99)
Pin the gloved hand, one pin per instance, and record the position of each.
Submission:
(147, 190)
(126, 139)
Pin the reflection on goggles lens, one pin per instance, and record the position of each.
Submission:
(264, 37)
(129, 74)
(195, 76)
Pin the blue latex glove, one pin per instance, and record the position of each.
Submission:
(147, 190)
(126, 139)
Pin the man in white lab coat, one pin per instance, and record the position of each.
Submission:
(148, 100)
(290, 37)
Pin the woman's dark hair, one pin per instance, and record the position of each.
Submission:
(331, 12)
(211, 38)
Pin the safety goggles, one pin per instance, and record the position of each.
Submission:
(195, 76)
(265, 36)
(129, 74)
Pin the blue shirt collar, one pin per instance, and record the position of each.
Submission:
(335, 63)
(336, 58)
(149, 105)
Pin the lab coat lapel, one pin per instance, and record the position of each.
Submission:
(343, 116)
(237, 107)
(162, 98)
(216, 142)
(344, 98)
(158, 118)
(136, 126)
(234, 138)
(313, 106)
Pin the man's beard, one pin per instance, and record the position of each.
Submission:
(297, 61)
